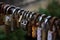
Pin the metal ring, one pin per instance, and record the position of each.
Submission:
(46, 20)
(52, 22)
(15, 9)
(27, 14)
(20, 11)
(10, 7)
(32, 14)
(6, 6)
(41, 17)
(21, 15)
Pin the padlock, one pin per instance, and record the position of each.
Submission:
(7, 24)
(29, 28)
(51, 31)
(24, 18)
(39, 28)
(44, 28)
(27, 25)
(16, 16)
(10, 10)
(34, 27)
(57, 29)
(23, 22)
(1, 13)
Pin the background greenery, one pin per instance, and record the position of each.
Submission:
(53, 9)
(19, 34)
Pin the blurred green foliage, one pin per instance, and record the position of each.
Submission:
(44, 11)
(53, 9)
(19, 34)
(2, 35)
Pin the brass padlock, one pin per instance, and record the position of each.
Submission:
(34, 27)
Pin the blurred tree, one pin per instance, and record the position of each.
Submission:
(54, 8)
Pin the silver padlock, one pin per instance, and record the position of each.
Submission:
(51, 31)
(39, 29)
(23, 24)
(44, 27)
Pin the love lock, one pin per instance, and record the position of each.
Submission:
(57, 25)
(44, 28)
(10, 10)
(39, 28)
(24, 23)
(52, 29)
(45, 22)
